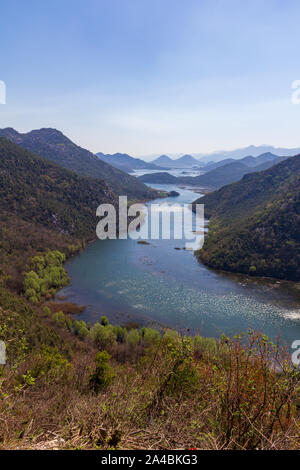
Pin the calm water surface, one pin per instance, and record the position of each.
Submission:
(158, 284)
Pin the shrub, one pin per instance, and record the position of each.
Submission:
(102, 336)
(51, 365)
(133, 337)
(204, 346)
(104, 321)
(149, 336)
(45, 277)
(121, 334)
(47, 311)
(103, 374)
(63, 320)
(80, 328)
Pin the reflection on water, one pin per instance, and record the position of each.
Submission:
(161, 282)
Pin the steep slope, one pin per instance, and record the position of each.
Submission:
(43, 205)
(255, 223)
(53, 145)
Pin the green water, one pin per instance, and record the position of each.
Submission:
(158, 284)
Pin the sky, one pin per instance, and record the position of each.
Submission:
(148, 77)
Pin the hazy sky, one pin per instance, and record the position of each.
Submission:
(153, 76)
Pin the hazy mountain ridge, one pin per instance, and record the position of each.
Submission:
(185, 161)
(125, 162)
(235, 154)
(217, 177)
(253, 150)
(249, 160)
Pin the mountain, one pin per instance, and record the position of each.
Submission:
(163, 160)
(255, 223)
(215, 178)
(234, 172)
(186, 161)
(43, 206)
(253, 150)
(266, 157)
(213, 165)
(160, 178)
(126, 163)
(53, 145)
(248, 161)
(223, 175)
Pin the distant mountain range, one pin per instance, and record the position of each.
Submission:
(186, 161)
(221, 174)
(253, 150)
(255, 227)
(249, 161)
(125, 162)
(55, 146)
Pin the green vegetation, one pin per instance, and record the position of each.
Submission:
(255, 224)
(43, 206)
(47, 194)
(103, 374)
(45, 277)
(139, 388)
(52, 145)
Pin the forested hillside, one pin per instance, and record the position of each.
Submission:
(43, 206)
(53, 145)
(255, 223)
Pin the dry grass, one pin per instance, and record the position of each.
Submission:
(169, 398)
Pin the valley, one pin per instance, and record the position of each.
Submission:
(158, 284)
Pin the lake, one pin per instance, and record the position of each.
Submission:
(158, 284)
